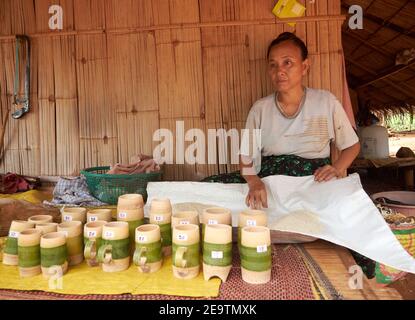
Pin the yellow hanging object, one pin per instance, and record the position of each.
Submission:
(288, 9)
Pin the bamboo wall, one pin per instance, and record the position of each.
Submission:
(121, 69)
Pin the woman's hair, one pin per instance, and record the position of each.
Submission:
(289, 36)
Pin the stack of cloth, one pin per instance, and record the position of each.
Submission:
(74, 192)
(138, 164)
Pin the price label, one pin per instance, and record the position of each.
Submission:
(14, 234)
(158, 218)
(182, 237)
(184, 222)
(108, 234)
(217, 254)
(210, 221)
(67, 218)
(92, 234)
(251, 223)
(141, 238)
(93, 219)
(122, 215)
(261, 249)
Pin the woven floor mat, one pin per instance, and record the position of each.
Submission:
(295, 276)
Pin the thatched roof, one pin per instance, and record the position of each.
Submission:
(389, 28)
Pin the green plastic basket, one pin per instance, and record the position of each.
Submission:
(108, 187)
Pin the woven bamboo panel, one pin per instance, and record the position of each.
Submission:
(135, 133)
(122, 69)
(133, 72)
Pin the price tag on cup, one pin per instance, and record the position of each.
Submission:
(251, 223)
(108, 234)
(262, 249)
(184, 222)
(67, 218)
(122, 215)
(158, 218)
(182, 237)
(14, 234)
(92, 234)
(211, 221)
(141, 238)
(93, 218)
(217, 254)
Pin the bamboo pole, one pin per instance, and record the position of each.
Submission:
(182, 26)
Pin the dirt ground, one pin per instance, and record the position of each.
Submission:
(397, 140)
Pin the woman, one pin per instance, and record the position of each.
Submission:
(297, 125)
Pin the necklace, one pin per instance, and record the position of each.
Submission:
(281, 109)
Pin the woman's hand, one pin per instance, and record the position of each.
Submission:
(326, 173)
(257, 195)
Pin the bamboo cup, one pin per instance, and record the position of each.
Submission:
(217, 251)
(148, 254)
(251, 218)
(29, 253)
(134, 218)
(10, 256)
(47, 227)
(74, 241)
(130, 202)
(99, 215)
(93, 241)
(114, 253)
(53, 254)
(161, 214)
(74, 214)
(185, 217)
(215, 215)
(255, 252)
(186, 251)
(43, 218)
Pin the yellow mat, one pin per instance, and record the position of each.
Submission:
(82, 280)
(33, 196)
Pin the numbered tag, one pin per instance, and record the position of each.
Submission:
(184, 222)
(210, 221)
(251, 223)
(92, 234)
(93, 219)
(261, 249)
(158, 218)
(67, 218)
(109, 234)
(182, 237)
(122, 215)
(217, 254)
(14, 234)
(141, 238)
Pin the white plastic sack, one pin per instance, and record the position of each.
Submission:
(338, 211)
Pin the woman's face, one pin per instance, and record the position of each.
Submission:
(286, 67)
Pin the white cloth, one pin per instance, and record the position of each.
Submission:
(321, 120)
(346, 213)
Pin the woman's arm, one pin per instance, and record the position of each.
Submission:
(346, 158)
(257, 195)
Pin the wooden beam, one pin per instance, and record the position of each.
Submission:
(374, 93)
(386, 54)
(405, 92)
(386, 73)
(385, 24)
(182, 26)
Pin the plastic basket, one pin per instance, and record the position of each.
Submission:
(108, 187)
